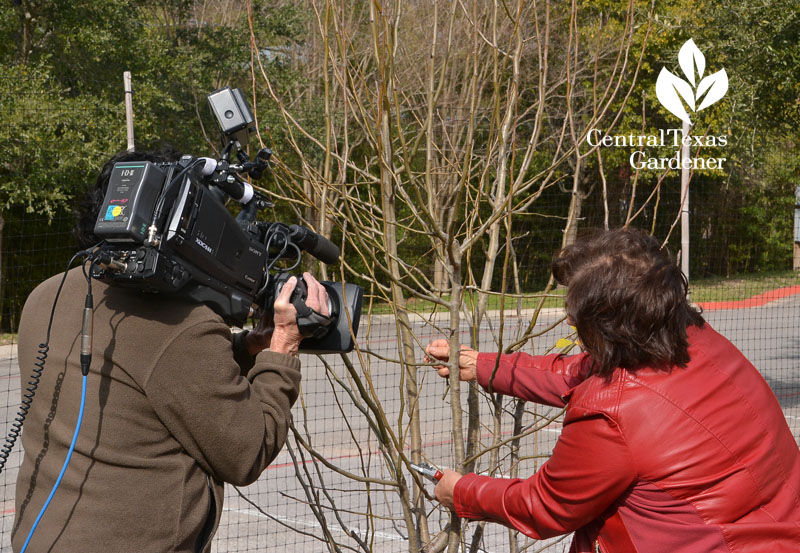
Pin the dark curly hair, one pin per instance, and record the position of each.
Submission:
(628, 301)
(88, 207)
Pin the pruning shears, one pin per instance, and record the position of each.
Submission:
(428, 471)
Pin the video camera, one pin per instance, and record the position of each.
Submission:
(166, 229)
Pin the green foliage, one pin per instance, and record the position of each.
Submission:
(764, 226)
(741, 219)
(51, 142)
(62, 93)
(759, 39)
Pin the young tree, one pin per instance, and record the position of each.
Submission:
(444, 123)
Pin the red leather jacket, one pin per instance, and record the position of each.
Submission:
(696, 460)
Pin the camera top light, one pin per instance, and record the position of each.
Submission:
(231, 111)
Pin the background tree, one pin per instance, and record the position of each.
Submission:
(422, 168)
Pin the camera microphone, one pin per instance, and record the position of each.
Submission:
(315, 244)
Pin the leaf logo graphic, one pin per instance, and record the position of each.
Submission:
(671, 89)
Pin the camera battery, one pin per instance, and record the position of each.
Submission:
(130, 201)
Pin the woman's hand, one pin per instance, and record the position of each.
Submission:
(467, 360)
(444, 489)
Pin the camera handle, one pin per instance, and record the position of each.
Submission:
(310, 322)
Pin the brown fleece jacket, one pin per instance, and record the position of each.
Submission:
(175, 407)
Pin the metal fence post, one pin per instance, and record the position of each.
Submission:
(796, 257)
(685, 172)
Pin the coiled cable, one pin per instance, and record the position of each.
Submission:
(36, 374)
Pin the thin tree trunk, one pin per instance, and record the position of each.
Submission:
(388, 204)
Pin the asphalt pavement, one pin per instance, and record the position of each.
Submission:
(274, 513)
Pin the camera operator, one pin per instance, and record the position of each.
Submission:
(176, 406)
(672, 441)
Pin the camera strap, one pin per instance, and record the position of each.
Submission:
(309, 321)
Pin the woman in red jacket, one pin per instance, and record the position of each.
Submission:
(672, 441)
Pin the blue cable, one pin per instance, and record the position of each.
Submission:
(63, 469)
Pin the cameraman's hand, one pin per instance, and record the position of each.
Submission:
(286, 336)
(317, 295)
(467, 360)
(258, 339)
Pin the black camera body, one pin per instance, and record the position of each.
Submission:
(166, 229)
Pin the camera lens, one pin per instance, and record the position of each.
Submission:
(228, 114)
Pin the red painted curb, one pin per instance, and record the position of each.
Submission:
(755, 301)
